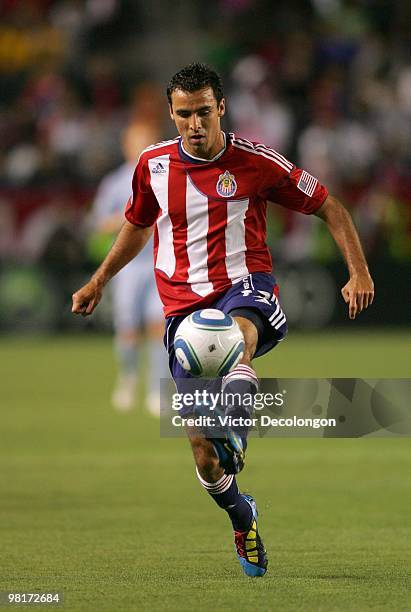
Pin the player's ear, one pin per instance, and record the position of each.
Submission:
(170, 108)
(221, 108)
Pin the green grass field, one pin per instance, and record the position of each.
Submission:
(94, 504)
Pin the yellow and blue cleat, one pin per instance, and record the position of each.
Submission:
(250, 548)
(230, 451)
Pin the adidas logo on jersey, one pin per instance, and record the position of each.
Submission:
(159, 169)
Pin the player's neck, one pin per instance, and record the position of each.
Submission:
(215, 151)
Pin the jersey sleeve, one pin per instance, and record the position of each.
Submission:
(291, 187)
(142, 208)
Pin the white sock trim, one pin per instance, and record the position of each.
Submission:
(241, 372)
(216, 488)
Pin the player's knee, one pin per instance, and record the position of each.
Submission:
(250, 334)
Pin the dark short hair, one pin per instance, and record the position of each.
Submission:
(196, 76)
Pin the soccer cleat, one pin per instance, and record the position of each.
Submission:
(250, 549)
(230, 451)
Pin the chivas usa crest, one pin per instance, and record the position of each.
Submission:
(226, 185)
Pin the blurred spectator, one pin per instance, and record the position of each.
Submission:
(255, 111)
(7, 230)
(136, 305)
(334, 147)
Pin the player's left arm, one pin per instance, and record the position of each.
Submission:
(358, 293)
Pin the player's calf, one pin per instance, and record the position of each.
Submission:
(222, 487)
(206, 459)
(227, 496)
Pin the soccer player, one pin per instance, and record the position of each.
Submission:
(206, 194)
(136, 305)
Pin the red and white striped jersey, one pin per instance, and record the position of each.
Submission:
(210, 215)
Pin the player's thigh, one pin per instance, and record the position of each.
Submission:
(204, 454)
(256, 297)
(250, 334)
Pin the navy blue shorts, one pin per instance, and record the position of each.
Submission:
(258, 292)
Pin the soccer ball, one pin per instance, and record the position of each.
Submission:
(208, 343)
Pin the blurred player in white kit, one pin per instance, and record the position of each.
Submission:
(137, 310)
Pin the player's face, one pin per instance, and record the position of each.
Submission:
(197, 117)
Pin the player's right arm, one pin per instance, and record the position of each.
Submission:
(141, 213)
(129, 242)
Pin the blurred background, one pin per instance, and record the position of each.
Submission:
(93, 502)
(326, 82)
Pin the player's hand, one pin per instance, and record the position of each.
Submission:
(358, 293)
(86, 299)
